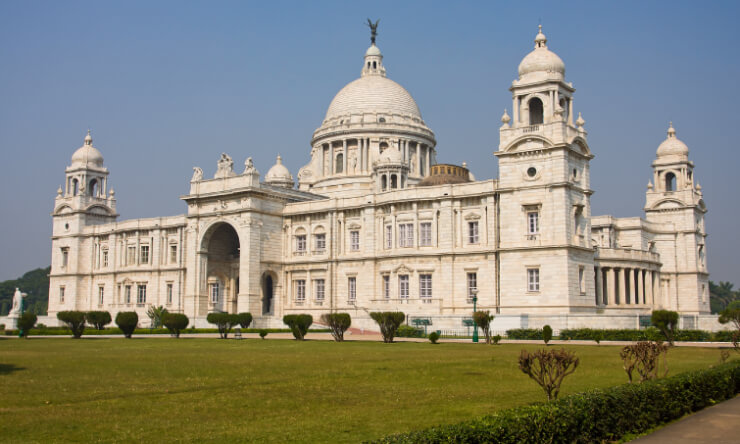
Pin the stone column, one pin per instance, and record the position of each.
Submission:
(649, 287)
(515, 110)
(599, 287)
(429, 159)
(622, 287)
(331, 158)
(344, 157)
(570, 111)
(418, 158)
(632, 293)
(640, 286)
(610, 289)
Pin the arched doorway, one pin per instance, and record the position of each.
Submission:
(268, 294)
(221, 244)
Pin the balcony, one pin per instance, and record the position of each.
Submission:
(624, 254)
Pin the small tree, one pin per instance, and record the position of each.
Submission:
(26, 322)
(546, 334)
(338, 323)
(731, 314)
(644, 357)
(666, 321)
(433, 337)
(263, 333)
(483, 320)
(496, 339)
(75, 321)
(155, 315)
(224, 322)
(98, 319)
(127, 322)
(388, 321)
(244, 319)
(175, 322)
(298, 324)
(548, 368)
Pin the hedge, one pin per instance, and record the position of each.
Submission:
(62, 331)
(594, 416)
(643, 335)
(407, 331)
(524, 333)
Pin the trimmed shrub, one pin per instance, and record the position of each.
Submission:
(224, 322)
(263, 333)
(407, 331)
(433, 337)
(599, 415)
(338, 323)
(2, 326)
(548, 368)
(496, 339)
(388, 321)
(298, 324)
(244, 319)
(483, 320)
(175, 322)
(127, 322)
(26, 322)
(524, 333)
(75, 321)
(98, 319)
(645, 358)
(666, 321)
(546, 334)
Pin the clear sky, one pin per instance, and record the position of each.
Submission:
(168, 85)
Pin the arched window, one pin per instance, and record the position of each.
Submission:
(383, 145)
(93, 188)
(339, 168)
(383, 182)
(394, 181)
(670, 182)
(75, 187)
(536, 111)
(368, 65)
(375, 65)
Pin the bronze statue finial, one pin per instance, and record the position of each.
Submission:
(373, 29)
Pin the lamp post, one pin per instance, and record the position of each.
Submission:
(474, 292)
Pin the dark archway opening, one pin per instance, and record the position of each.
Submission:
(670, 182)
(222, 270)
(536, 111)
(268, 287)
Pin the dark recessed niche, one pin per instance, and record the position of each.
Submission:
(532, 171)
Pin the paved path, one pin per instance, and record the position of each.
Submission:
(718, 424)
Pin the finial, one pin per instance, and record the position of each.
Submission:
(698, 186)
(671, 130)
(279, 160)
(540, 40)
(650, 185)
(88, 138)
(465, 164)
(505, 119)
(112, 192)
(580, 122)
(59, 191)
(373, 29)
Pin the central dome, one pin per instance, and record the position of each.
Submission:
(370, 94)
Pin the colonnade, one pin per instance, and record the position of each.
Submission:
(420, 165)
(626, 286)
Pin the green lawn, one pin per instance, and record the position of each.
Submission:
(163, 390)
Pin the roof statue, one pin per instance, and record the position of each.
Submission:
(373, 29)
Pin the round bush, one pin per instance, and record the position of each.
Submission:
(127, 322)
(75, 320)
(244, 319)
(98, 319)
(433, 337)
(263, 333)
(175, 322)
(546, 333)
(26, 322)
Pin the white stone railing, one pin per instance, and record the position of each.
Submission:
(624, 254)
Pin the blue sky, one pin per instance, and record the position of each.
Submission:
(168, 85)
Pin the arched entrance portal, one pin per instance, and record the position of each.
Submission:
(221, 244)
(268, 293)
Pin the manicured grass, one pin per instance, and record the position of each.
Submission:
(196, 390)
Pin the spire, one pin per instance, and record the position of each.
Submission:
(540, 41)
(373, 57)
(88, 138)
(671, 130)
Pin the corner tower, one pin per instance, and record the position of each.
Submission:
(544, 187)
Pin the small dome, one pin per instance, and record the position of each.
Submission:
(391, 155)
(445, 174)
(541, 60)
(87, 155)
(373, 51)
(672, 146)
(279, 175)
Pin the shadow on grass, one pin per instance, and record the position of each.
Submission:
(9, 368)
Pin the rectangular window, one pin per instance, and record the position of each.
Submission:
(131, 255)
(473, 232)
(533, 279)
(354, 240)
(352, 288)
(141, 295)
(105, 258)
(388, 237)
(61, 295)
(425, 235)
(320, 289)
(169, 293)
(321, 242)
(214, 290)
(300, 290)
(101, 295)
(144, 258)
(582, 279)
(300, 243)
(65, 256)
(127, 295)
(386, 286)
(425, 285)
(472, 285)
(533, 222)
(173, 254)
(403, 286)
(406, 235)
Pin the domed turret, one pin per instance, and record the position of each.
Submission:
(87, 155)
(279, 175)
(673, 147)
(541, 62)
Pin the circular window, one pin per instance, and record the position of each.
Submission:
(381, 120)
(532, 171)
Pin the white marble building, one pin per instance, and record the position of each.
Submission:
(375, 224)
